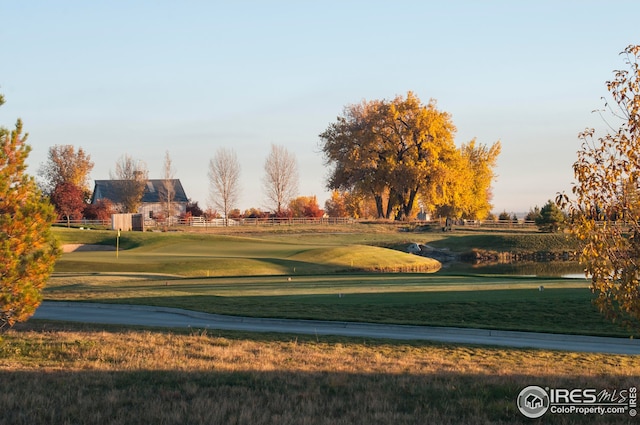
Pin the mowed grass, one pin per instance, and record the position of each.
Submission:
(192, 254)
(509, 303)
(82, 374)
(296, 275)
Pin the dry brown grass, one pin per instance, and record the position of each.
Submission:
(81, 375)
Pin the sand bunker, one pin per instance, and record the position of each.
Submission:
(81, 247)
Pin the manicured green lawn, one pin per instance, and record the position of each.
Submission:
(422, 299)
(303, 276)
(193, 254)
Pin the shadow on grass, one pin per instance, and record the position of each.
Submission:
(558, 311)
(275, 397)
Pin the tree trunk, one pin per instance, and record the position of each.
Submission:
(408, 206)
(380, 210)
(390, 204)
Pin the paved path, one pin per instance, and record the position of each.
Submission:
(177, 318)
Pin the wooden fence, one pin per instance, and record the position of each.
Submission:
(275, 221)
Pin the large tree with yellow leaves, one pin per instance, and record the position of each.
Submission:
(401, 151)
(27, 247)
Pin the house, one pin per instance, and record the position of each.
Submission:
(154, 202)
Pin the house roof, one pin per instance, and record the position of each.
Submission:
(109, 189)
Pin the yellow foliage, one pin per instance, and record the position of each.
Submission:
(400, 150)
(606, 208)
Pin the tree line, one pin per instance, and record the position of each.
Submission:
(64, 180)
(387, 159)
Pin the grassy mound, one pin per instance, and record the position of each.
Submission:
(369, 258)
(193, 254)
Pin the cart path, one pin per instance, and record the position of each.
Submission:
(178, 318)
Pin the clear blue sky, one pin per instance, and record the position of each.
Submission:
(143, 77)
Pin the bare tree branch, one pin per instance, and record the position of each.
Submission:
(224, 181)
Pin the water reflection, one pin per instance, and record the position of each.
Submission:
(565, 269)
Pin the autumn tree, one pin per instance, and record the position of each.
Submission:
(68, 200)
(348, 204)
(281, 178)
(336, 206)
(255, 213)
(65, 165)
(480, 160)
(305, 206)
(101, 209)
(605, 212)
(64, 177)
(27, 247)
(130, 178)
(395, 149)
(224, 181)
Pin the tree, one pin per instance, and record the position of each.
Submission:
(168, 192)
(27, 247)
(101, 209)
(194, 209)
(224, 181)
(550, 218)
(605, 212)
(255, 213)
(131, 178)
(281, 178)
(305, 206)
(65, 166)
(349, 204)
(336, 205)
(480, 160)
(68, 200)
(397, 149)
(504, 216)
(533, 214)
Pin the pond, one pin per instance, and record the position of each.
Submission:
(563, 269)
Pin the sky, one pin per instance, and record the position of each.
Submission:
(189, 77)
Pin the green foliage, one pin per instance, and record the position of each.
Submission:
(27, 247)
(504, 216)
(550, 218)
(533, 214)
(606, 211)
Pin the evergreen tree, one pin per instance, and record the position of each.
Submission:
(551, 217)
(27, 246)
